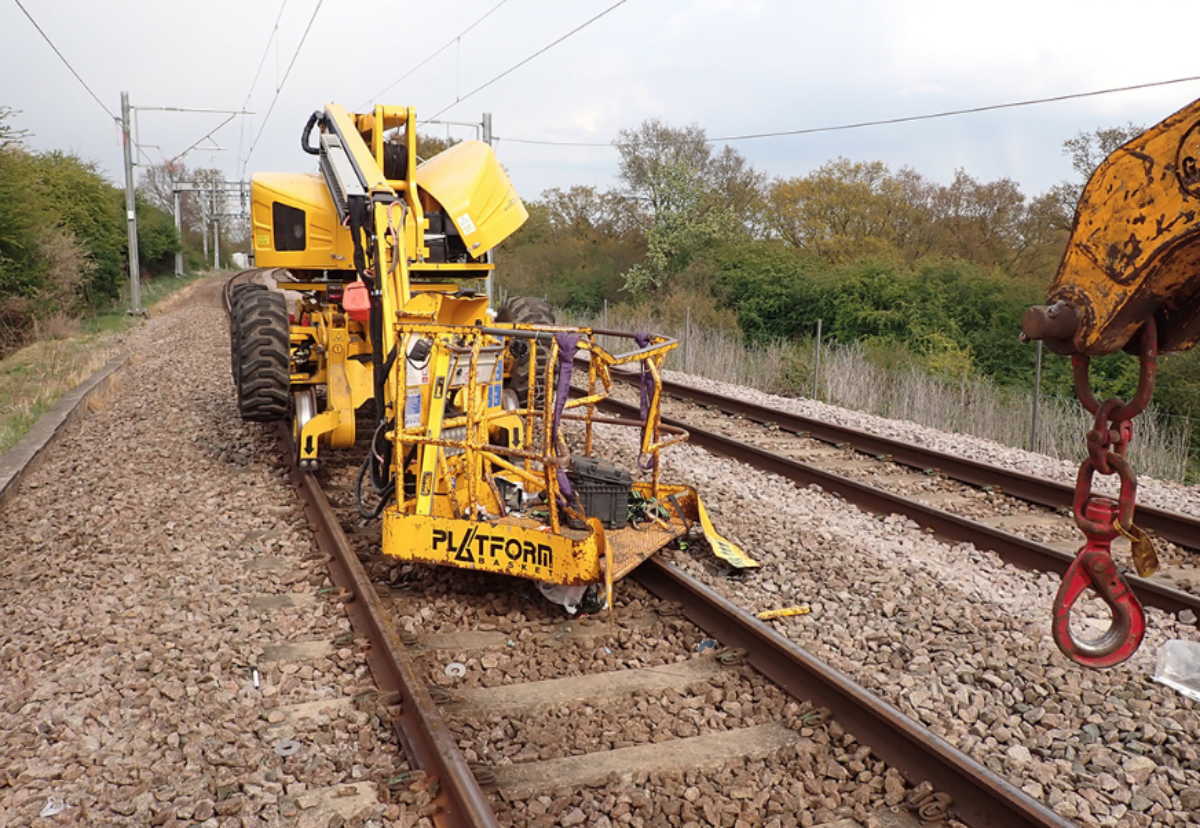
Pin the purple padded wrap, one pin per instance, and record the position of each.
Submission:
(568, 344)
(643, 341)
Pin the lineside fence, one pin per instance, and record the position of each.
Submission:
(847, 378)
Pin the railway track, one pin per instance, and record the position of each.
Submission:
(518, 684)
(787, 712)
(1167, 525)
(687, 709)
(889, 477)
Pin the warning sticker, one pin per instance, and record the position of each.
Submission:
(412, 409)
(465, 224)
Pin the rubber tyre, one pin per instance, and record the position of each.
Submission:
(527, 310)
(237, 309)
(263, 357)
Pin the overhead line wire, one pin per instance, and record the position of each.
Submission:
(541, 51)
(449, 43)
(206, 136)
(261, 63)
(886, 121)
(279, 88)
(66, 63)
(266, 51)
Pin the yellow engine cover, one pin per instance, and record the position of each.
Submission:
(472, 187)
(296, 224)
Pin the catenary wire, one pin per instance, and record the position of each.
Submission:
(209, 134)
(448, 44)
(64, 60)
(541, 51)
(266, 51)
(261, 63)
(885, 121)
(279, 88)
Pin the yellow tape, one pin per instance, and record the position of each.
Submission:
(731, 553)
(786, 612)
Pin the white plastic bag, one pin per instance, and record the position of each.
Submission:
(569, 596)
(1179, 667)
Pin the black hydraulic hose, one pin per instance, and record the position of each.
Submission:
(313, 120)
(376, 465)
(376, 331)
(384, 496)
(380, 459)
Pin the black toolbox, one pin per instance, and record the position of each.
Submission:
(603, 491)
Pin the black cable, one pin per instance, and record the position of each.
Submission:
(540, 51)
(376, 463)
(279, 89)
(449, 43)
(266, 51)
(261, 63)
(886, 121)
(385, 496)
(210, 134)
(65, 61)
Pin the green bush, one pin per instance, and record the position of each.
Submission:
(158, 241)
(85, 204)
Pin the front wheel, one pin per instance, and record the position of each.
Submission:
(263, 357)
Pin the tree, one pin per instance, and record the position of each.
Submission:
(10, 136)
(685, 198)
(589, 214)
(199, 209)
(980, 222)
(1088, 150)
(847, 210)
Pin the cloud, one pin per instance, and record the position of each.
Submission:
(731, 67)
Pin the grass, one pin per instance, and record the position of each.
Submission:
(34, 378)
(851, 377)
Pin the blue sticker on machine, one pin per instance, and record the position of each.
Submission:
(412, 409)
(494, 396)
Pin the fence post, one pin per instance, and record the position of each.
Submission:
(606, 313)
(817, 362)
(1037, 390)
(687, 341)
(1187, 448)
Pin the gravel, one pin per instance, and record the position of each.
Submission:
(132, 557)
(1163, 494)
(145, 536)
(955, 639)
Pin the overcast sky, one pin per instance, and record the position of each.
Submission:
(731, 66)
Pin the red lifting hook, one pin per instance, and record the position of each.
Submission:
(1094, 569)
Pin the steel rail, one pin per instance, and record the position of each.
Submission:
(1173, 526)
(1011, 548)
(427, 742)
(426, 739)
(980, 797)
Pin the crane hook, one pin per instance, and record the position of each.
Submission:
(1093, 568)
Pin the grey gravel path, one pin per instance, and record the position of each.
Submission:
(147, 567)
